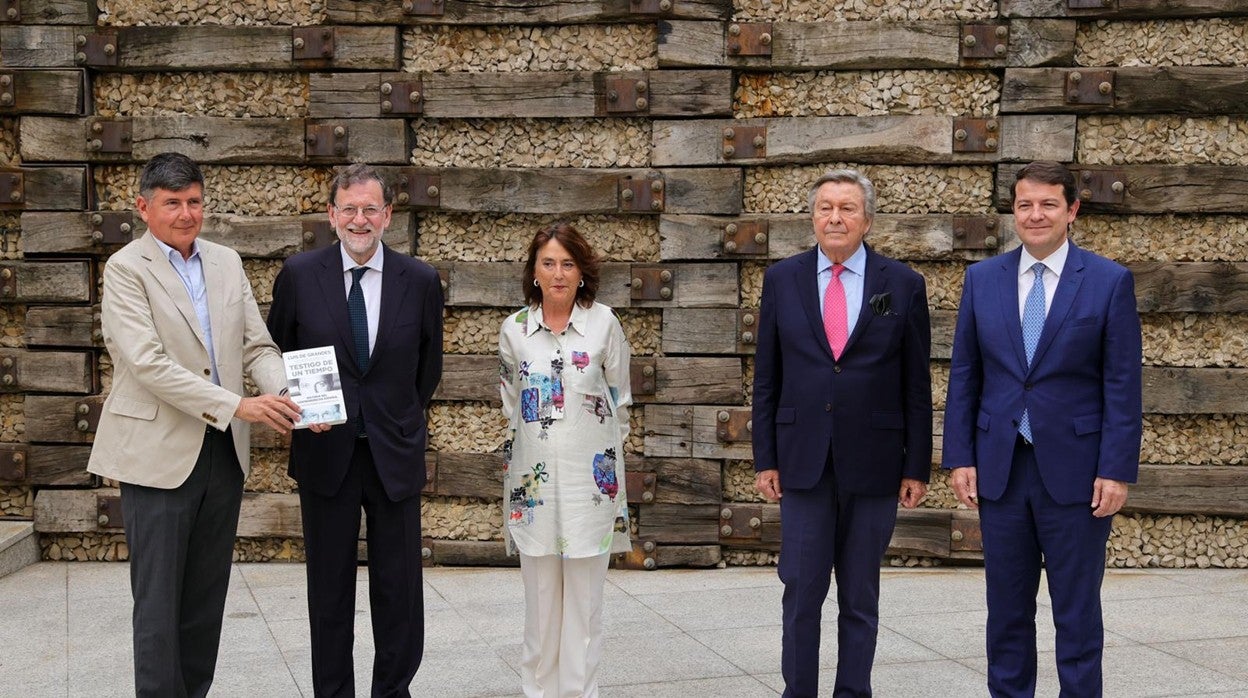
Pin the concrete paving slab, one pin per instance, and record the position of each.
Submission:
(1226, 655)
(736, 687)
(757, 650)
(910, 592)
(738, 607)
(96, 580)
(1209, 580)
(1138, 584)
(638, 582)
(1177, 618)
(460, 672)
(662, 658)
(477, 586)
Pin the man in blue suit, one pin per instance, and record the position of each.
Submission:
(1042, 430)
(842, 425)
(382, 312)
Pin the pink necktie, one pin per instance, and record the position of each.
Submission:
(835, 322)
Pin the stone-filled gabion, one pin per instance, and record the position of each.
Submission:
(461, 518)
(1148, 540)
(752, 283)
(1173, 238)
(484, 237)
(466, 427)
(12, 417)
(944, 283)
(82, 547)
(868, 93)
(226, 94)
(1163, 42)
(12, 325)
(899, 188)
(1195, 339)
(732, 557)
(262, 273)
(235, 12)
(940, 383)
(747, 380)
(268, 472)
(1201, 439)
(269, 550)
(10, 235)
(863, 10)
(531, 143)
(939, 492)
(245, 190)
(9, 156)
(1165, 139)
(644, 329)
(17, 500)
(738, 482)
(508, 49)
(472, 330)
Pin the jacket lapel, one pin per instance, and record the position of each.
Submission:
(1007, 293)
(875, 282)
(335, 300)
(214, 285)
(160, 268)
(1063, 301)
(808, 293)
(394, 287)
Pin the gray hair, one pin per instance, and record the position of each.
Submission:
(849, 177)
(169, 171)
(359, 173)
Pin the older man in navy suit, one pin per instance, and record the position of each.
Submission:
(842, 425)
(1042, 430)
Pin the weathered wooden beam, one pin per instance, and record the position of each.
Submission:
(200, 47)
(56, 11)
(1215, 490)
(41, 91)
(667, 93)
(61, 418)
(45, 188)
(1191, 287)
(684, 481)
(496, 284)
(63, 326)
(515, 12)
(1135, 90)
(59, 466)
(1195, 390)
(860, 45)
(678, 523)
(216, 140)
(1124, 9)
(921, 532)
(46, 282)
(47, 371)
(468, 552)
(933, 236)
(870, 139)
(1153, 188)
(649, 555)
(270, 515)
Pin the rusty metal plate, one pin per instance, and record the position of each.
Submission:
(444, 278)
(112, 227)
(97, 50)
(9, 373)
(984, 40)
(734, 426)
(652, 283)
(627, 96)
(1090, 87)
(641, 195)
(426, 552)
(8, 283)
(642, 376)
(965, 536)
(317, 234)
(1107, 186)
(739, 142)
(746, 237)
(12, 188)
(741, 522)
(107, 136)
(976, 135)
(418, 189)
(747, 328)
(1091, 4)
(108, 507)
(641, 557)
(424, 8)
(8, 90)
(10, 11)
(975, 233)
(312, 43)
(327, 141)
(640, 487)
(87, 416)
(402, 96)
(749, 39)
(13, 459)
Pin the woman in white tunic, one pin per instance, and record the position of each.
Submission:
(565, 389)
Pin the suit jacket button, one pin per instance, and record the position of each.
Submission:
(836, 369)
(1026, 386)
(827, 407)
(207, 371)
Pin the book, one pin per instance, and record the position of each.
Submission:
(315, 385)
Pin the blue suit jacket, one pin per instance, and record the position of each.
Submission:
(310, 310)
(873, 408)
(1082, 391)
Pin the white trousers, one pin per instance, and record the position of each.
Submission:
(562, 625)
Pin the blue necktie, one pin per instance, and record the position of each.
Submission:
(1033, 324)
(358, 314)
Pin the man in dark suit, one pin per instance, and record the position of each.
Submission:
(1042, 430)
(843, 420)
(382, 312)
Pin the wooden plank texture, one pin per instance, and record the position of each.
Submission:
(209, 47)
(69, 511)
(63, 326)
(1215, 490)
(497, 284)
(1191, 287)
(46, 92)
(519, 12)
(1137, 90)
(669, 431)
(685, 481)
(678, 523)
(921, 532)
(270, 515)
(1159, 189)
(1195, 390)
(54, 418)
(701, 331)
(57, 466)
(53, 188)
(1125, 9)
(469, 552)
(58, 11)
(48, 371)
(50, 282)
(477, 475)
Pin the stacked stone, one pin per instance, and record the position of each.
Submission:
(235, 12)
(509, 49)
(867, 93)
(531, 143)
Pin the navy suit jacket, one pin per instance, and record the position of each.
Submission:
(1082, 391)
(310, 310)
(872, 408)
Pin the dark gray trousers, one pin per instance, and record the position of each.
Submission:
(181, 547)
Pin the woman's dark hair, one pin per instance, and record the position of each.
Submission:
(582, 254)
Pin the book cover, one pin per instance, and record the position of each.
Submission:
(315, 385)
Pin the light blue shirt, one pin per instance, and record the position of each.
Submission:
(191, 271)
(852, 279)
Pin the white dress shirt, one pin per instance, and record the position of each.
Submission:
(1053, 264)
(853, 279)
(370, 284)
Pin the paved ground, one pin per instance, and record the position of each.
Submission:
(678, 633)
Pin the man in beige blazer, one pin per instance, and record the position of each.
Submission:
(182, 328)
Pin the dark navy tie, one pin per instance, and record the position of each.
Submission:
(358, 314)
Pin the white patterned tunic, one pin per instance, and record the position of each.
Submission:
(566, 396)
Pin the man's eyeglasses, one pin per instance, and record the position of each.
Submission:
(350, 211)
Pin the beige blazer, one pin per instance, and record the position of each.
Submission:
(152, 425)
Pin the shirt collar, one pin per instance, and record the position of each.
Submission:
(175, 256)
(374, 262)
(1055, 262)
(578, 322)
(856, 263)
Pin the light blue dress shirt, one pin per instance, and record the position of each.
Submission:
(191, 271)
(852, 279)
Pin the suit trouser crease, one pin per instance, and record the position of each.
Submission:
(563, 633)
(831, 532)
(1022, 531)
(396, 596)
(181, 545)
